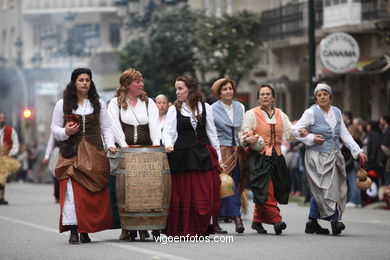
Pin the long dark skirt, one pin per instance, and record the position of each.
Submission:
(262, 169)
(195, 200)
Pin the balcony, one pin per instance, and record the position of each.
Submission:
(375, 10)
(287, 21)
(48, 6)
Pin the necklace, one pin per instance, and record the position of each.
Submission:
(272, 114)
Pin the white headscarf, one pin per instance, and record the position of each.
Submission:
(322, 86)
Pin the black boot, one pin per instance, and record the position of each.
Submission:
(84, 238)
(219, 230)
(312, 226)
(259, 227)
(279, 226)
(239, 226)
(124, 235)
(74, 236)
(337, 227)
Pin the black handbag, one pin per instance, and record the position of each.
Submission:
(68, 148)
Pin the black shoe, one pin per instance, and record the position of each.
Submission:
(155, 234)
(279, 226)
(132, 234)
(3, 202)
(312, 226)
(143, 234)
(74, 236)
(259, 228)
(337, 227)
(124, 235)
(84, 238)
(219, 230)
(239, 226)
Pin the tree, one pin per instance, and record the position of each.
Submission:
(181, 41)
(230, 45)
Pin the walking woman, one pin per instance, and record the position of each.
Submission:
(268, 176)
(228, 115)
(192, 145)
(135, 121)
(324, 161)
(79, 120)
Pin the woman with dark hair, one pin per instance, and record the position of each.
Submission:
(268, 176)
(135, 121)
(324, 161)
(228, 115)
(79, 121)
(192, 145)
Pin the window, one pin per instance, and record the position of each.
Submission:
(115, 34)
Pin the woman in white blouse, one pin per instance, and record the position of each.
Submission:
(135, 121)
(84, 195)
(228, 115)
(268, 176)
(191, 140)
(324, 161)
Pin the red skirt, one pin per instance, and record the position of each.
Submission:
(195, 200)
(93, 209)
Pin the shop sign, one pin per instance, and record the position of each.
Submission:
(339, 52)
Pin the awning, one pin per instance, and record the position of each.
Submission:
(364, 66)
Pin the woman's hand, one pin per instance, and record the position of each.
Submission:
(252, 139)
(318, 139)
(169, 148)
(112, 149)
(71, 128)
(303, 132)
(362, 158)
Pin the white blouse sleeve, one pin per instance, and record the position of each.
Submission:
(15, 143)
(57, 122)
(50, 146)
(105, 125)
(113, 113)
(305, 121)
(154, 123)
(212, 130)
(248, 123)
(169, 134)
(287, 127)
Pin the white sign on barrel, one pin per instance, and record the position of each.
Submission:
(339, 52)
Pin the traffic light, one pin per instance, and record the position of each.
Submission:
(27, 113)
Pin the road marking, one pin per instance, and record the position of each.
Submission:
(153, 253)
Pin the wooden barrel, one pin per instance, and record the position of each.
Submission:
(143, 188)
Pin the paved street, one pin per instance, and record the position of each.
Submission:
(29, 230)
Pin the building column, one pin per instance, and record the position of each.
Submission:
(375, 87)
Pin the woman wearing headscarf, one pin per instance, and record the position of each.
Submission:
(82, 168)
(324, 161)
(268, 176)
(192, 145)
(228, 115)
(135, 121)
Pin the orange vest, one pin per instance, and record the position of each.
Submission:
(271, 133)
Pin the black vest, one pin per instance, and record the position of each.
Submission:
(190, 151)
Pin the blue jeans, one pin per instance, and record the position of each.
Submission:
(353, 191)
(314, 213)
